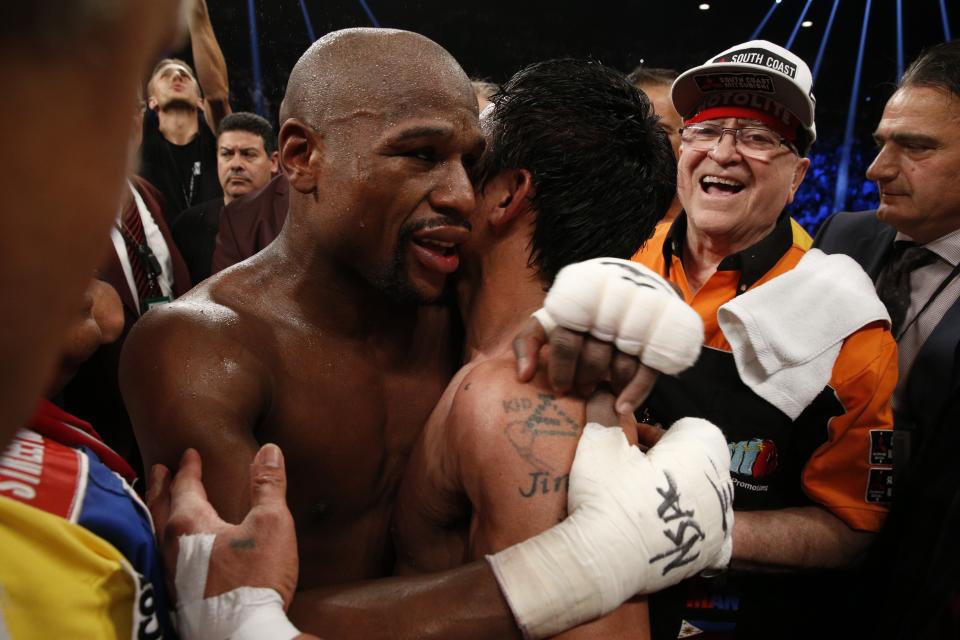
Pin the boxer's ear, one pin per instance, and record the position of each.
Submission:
(517, 190)
(301, 149)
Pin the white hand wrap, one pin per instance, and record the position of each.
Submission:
(638, 524)
(245, 613)
(626, 303)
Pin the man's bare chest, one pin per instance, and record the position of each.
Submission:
(347, 421)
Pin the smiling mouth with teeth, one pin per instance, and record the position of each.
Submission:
(437, 246)
(714, 184)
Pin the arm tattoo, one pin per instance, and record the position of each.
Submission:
(541, 484)
(537, 420)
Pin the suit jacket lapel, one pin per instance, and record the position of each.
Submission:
(933, 376)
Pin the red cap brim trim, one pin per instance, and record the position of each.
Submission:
(789, 132)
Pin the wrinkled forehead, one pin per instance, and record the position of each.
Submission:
(412, 109)
(922, 103)
(409, 90)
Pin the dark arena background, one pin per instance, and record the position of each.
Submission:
(856, 49)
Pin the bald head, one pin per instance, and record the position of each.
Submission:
(359, 70)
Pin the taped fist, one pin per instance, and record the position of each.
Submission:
(599, 303)
(628, 304)
(638, 524)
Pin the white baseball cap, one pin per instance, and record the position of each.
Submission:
(756, 74)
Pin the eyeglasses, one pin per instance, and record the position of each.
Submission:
(753, 142)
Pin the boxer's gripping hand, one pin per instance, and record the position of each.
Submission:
(230, 580)
(607, 300)
(628, 304)
(638, 524)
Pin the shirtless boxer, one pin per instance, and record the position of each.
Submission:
(576, 168)
(320, 344)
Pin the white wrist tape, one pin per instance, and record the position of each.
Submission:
(626, 303)
(244, 613)
(638, 524)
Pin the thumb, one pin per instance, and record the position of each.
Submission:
(158, 498)
(268, 477)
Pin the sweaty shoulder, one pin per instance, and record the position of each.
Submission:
(195, 372)
(202, 322)
(511, 430)
(490, 394)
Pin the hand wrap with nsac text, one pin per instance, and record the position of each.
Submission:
(638, 524)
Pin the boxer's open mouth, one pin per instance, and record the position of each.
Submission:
(436, 247)
(716, 185)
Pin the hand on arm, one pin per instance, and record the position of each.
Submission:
(638, 524)
(230, 580)
(516, 444)
(210, 63)
(599, 303)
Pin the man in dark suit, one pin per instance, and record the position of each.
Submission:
(911, 248)
(246, 161)
(249, 224)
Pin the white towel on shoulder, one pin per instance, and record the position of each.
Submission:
(786, 334)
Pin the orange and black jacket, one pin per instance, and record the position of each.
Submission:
(837, 452)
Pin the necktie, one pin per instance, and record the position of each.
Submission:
(134, 238)
(893, 283)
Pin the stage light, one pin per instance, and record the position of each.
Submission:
(800, 22)
(763, 23)
(946, 22)
(306, 19)
(823, 40)
(840, 195)
(704, 7)
(260, 105)
(806, 24)
(373, 18)
(899, 40)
